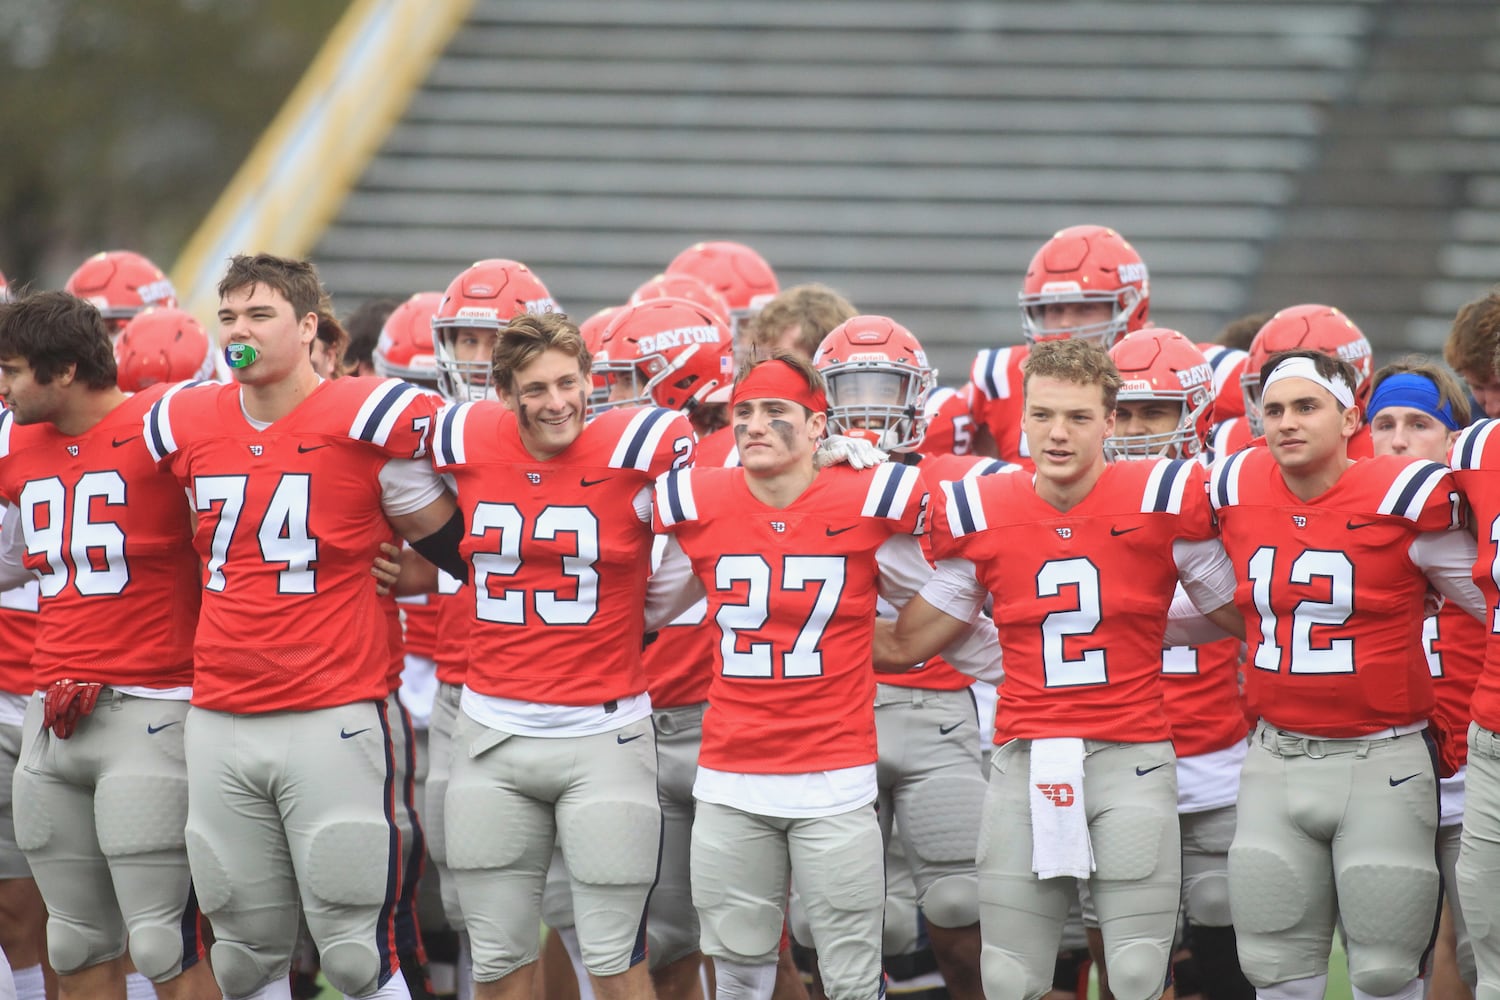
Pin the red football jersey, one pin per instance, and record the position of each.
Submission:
(938, 675)
(1333, 604)
(108, 536)
(1454, 642)
(18, 614)
(420, 614)
(791, 594)
(1230, 436)
(1080, 598)
(289, 521)
(1475, 459)
(559, 555)
(995, 395)
(950, 425)
(1201, 685)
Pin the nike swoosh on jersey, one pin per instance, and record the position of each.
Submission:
(121, 442)
(594, 482)
(152, 730)
(1362, 524)
(345, 735)
(303, 449)
(628, 739)
(1141, 772)
(831, 531)
(1402, 781)
(1123, 531)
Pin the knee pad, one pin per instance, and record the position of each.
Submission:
(952, 901)
(941, 824)
(69, 948)
(750, 935)
(239, 971)
(343, 863)
(1390, 906)
(1127, 843)
(1208, 900)
(1138, 971)
(1265, 894)
(613, 843)
(1394, 983)
(140, 814)
(1006, 979)
(156, 952)
(351, 967)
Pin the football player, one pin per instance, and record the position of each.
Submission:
(1163, 411)
(736, 272)
(1086, 282)
(1417, 409)
(1081, 563)
(101, 800)
(1309, 328)
(295, 480)
(554, 741)
(1338, 806)
(878, 383)
(476, 306)
(787, 770)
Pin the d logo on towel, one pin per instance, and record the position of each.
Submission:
(1060, 795)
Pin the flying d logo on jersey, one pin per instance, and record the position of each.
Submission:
(534, 478)
(1060, 795)
(73, 450)
(1299, 520)
(1064, 532)
(778, 526)
(257, 450)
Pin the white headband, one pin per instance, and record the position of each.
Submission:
(1304, 368)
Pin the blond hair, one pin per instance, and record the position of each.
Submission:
(1070, 360)
(813, 309)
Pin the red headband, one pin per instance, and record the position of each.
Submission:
(775, 379)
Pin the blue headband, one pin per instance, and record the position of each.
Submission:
(1415, 391)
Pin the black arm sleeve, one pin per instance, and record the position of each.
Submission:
(441, 548)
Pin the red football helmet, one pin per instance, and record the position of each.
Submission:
(663, 352)
(1082, 266)
(683, 286)
(162, 344)
(878, 382)
(475, 308)
(120, 283)
(1307, 328)
(592, 330)
(404, 349)
(735, 271)
(1157, 363)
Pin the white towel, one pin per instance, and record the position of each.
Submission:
(1059, 826)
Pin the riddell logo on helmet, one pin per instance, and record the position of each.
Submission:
(668, 339)
(1135, 385)
(477, 312)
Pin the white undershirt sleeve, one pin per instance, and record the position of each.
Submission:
(1206, 573)
(954, 589)
(407, 485)
(673, 588)
(1447, 559)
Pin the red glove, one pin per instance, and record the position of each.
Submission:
(67, 701)
(1450, 757)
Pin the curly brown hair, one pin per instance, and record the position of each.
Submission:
(1078, 361)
